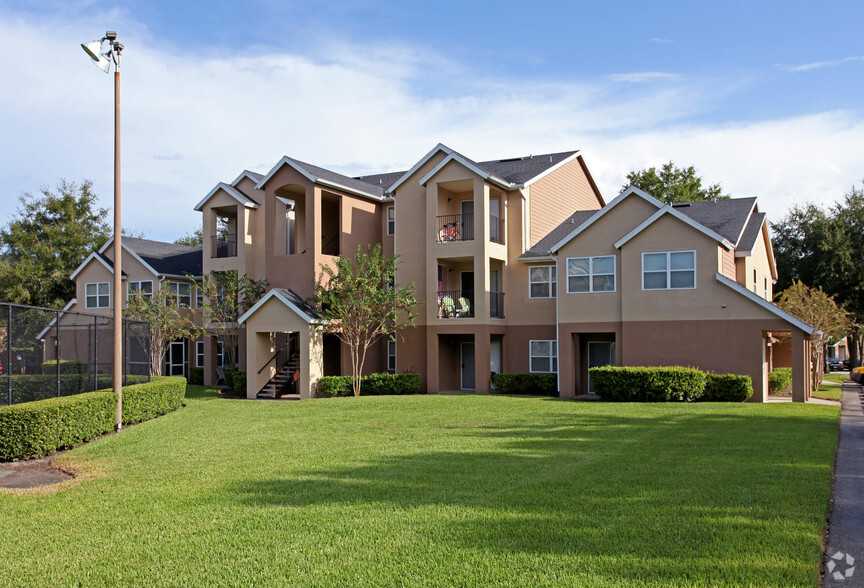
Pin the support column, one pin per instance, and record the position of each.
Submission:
(432, 355)
(567, 362)
(482, 358)
(800, 366)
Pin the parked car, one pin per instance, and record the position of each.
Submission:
(834, 364)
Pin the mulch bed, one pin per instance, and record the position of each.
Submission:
(31, 473)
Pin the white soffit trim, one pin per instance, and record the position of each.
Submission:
(54, 320)
(747, 222)
(419, 164)
(287, 202)
(90, 258)
(278, 295)
(766, 305)
(284, 161)
(546, 258)
(549, 170)
(129, 251)
(618, 199)
(244, 174)
(668, 209)
(231, 191)
(465, 163)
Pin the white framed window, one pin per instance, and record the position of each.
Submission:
(199, 353)
(766, 289)
(180, 294)
(542, 281)
(391, 355)
(199, 296)
(391, 220)
(97, 294)
(755, 280)
(591, 274)
(220, 353)
(543, 356)
(669, 270)
(143, 288)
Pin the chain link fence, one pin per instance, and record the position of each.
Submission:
(46, 353)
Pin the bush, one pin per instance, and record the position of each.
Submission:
(66, 367)
(104, 381)
(371, 385)
(196, 376)
(779, 379)
(534, 384)
(648, 384)
(238, 382)
(36, 429)
(330, 386)
(727, 388)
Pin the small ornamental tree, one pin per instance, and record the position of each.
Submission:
(168, 322)
(817, 309)
(361, 304)
(226, 297)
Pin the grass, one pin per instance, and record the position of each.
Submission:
(829, 391)
(433, 491)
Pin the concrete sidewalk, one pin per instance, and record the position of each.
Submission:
(844, 552)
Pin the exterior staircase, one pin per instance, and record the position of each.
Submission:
(284, 379)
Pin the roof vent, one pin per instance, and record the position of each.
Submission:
(680, 204)
(381, 180)
(550, 159)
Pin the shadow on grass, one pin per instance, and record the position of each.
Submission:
(721, 496)
(194, 392)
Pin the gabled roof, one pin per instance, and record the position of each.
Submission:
(98, 256)
(419, 164)
(471, 165)
(750, 234)
(632, 190)
(527, 170)
(766, 305)
(727, 217)
(162, 259)
(254, 176)
(671, 210)
(326, 177)
(290, 299)
(541, 250)
(232, 191)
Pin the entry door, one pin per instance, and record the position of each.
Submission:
(468, 381)
(600, 353)
(494, 225)
(495, 356)
(467, 224)
(495, 294)
(177, 358)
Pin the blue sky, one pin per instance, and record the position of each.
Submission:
(762, 97)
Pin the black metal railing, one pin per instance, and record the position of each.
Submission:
(496, 304)
(455, 227)
(456, 304)
(496, 229)
(224, 246)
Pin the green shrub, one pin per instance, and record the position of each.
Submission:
(196, 376)
(371, 385)
(66, 367)
(104, 381)
(535, 384)
(727, 388)
(779, 379)
(42, 387)
(229, 378)
(238, 382)
(648, 384)
(330, 386)
(39, 428)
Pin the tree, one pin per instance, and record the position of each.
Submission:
(360, 303)
(821, 312)
(226, 297)
(673, 184)
(168, 322)
(45, 241)
(193, 239)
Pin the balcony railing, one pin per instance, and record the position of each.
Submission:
(456, 304)
(224, 246)
(496, 229)
(496, 304)
(455, 227)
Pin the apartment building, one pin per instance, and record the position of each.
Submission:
(521, 266)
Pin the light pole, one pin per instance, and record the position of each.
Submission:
(103, 61)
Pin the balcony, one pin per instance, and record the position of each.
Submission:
(496, 229)
(460, 227)
(223, 246)
(455, 304)
(496, 304)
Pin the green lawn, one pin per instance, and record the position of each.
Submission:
(436, 490)
(828, 391)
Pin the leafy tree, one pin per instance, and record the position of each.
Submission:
(45, 241)
(361, 303)
(820, 311)
(193, 239)
(168, 322)
(226, 297)
(673, 184)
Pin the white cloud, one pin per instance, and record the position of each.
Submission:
(191, 121)
(640, 77)
(660, 40)
(818, 64)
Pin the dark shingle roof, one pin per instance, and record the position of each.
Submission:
(725, 217)
(752, 232)
(299, 302)
(519, 170)
(542, 247)
(337, 178)
(109, 262)
(384, 180)
(167, 258)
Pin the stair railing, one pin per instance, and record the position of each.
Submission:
(278, 351)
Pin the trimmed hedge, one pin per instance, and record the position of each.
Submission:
(66, 367)
(727, 388)
(238, 382)
(372, 385)
(36, 429)
(648, 384)
(779, 379)
(534, 384)
(196, 376)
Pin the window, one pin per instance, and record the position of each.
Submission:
(542, 281)
(755, 280)
(591, 274)
(144, 289)
(544, 356)
(671, 270)
(220, 354)
(391, 356)
(391, 220)
(766, 289)
(199, 353)
(97, 295)
(180, 294)
(199, 297)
